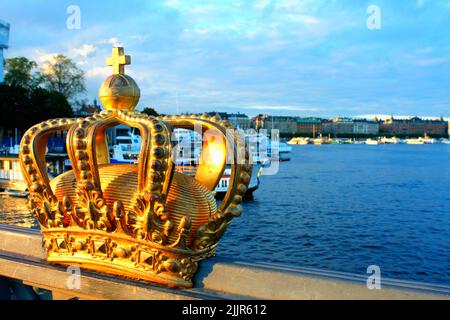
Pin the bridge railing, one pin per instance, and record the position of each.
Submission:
(23, 267)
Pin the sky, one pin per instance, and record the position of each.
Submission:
(280, 57)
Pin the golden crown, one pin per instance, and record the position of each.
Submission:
(144, 221)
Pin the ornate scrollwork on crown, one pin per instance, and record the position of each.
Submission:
(241, 170)
(141, 238)
(42, 201)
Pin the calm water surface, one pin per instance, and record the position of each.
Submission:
(346, 207)
(343, 208)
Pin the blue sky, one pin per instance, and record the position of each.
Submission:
(286, 57)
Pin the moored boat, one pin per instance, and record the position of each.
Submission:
(415, 141)
(372, 142)
(12, 182)
(299, 141)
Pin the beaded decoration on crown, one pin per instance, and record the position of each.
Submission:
(143, 221)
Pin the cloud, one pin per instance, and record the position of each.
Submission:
(140, 37)
(115, 42)
(98, 72)
(171, 3)
(421, 3)
(43, 57)
(84, 51)
(285, 56)
(282, 108)
(432, 61)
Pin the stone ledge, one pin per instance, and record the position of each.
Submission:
(22, 257)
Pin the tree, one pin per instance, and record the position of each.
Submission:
(62, 75)
(150, 112)
(12, 100)
(22, 108)
(19, 72)
(51, 105)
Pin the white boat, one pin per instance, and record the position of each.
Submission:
(393, 140)
(284, 148)
(12, 182)
(274, 152)
(415, 141)
(299, 141)
(188, 154)
(320, 141)
(429, 141)
(127, 149)
(372, 142)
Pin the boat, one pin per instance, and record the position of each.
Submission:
(277, 153)
(319, 141)
(299, 141)
(12, 182)
(127, 149)
(415, 141)
(393, 140)
(347, 141)
(284, 147)
(429, 141)
(372, 142)
(187, 155)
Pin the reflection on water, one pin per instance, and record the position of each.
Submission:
(14, 211)
(342, 208)
(345, 208)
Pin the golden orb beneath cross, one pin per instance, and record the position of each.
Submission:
(119, 91)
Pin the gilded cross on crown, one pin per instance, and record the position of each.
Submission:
(118, 60)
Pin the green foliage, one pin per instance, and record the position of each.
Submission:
(22, 108)
(20, 72)
(62, 75)
(51, 104)
(151, 112)
(59, 74)
(13, 100)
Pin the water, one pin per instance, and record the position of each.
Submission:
(343, 208)
(14, 211)
(346, 207)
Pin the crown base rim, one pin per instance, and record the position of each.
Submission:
(106, 267)
(126, 257)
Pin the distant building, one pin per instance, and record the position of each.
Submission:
(4, 39)
(286, 125)
(414, 127)
(347, 126)
(338, 126)
(309, 126)
(88, 109)
(362, 126)
(240, 120)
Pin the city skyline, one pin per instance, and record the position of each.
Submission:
(293, 58)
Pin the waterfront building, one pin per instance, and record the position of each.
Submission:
(286, 125)
(366, 127)
(239, 120)
(309, 126)
(87, 109)
(339, 126)
(4, 39)
(414, 127)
